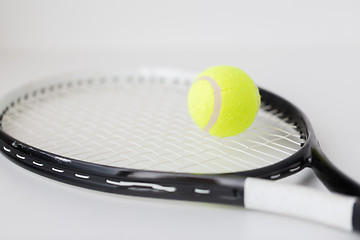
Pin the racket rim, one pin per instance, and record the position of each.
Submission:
(288, 166)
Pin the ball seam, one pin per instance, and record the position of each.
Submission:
(217, 101)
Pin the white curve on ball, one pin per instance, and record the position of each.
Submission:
(217, 101)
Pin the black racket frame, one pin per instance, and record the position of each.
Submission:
(227, 188)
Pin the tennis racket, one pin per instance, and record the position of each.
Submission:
(130, 133)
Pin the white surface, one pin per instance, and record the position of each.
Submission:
(303, 202)
(112, 24)
(306, 51)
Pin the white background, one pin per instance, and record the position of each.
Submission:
(306, 51)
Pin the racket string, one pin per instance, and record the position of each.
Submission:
(143, 125)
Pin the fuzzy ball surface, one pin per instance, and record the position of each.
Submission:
(223, 101)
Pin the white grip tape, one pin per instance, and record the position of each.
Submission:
(298, 201)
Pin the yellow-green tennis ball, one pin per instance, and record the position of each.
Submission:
(223, 101)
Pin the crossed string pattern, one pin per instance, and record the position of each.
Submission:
(143, 123)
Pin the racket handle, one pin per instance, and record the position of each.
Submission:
(298, 201)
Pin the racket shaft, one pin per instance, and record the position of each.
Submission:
(324, 207)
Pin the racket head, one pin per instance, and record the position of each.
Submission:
(137, 180)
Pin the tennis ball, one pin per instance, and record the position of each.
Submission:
(223, 101)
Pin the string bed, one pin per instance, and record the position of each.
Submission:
(141, 122)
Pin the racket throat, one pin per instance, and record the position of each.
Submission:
(331, 176)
